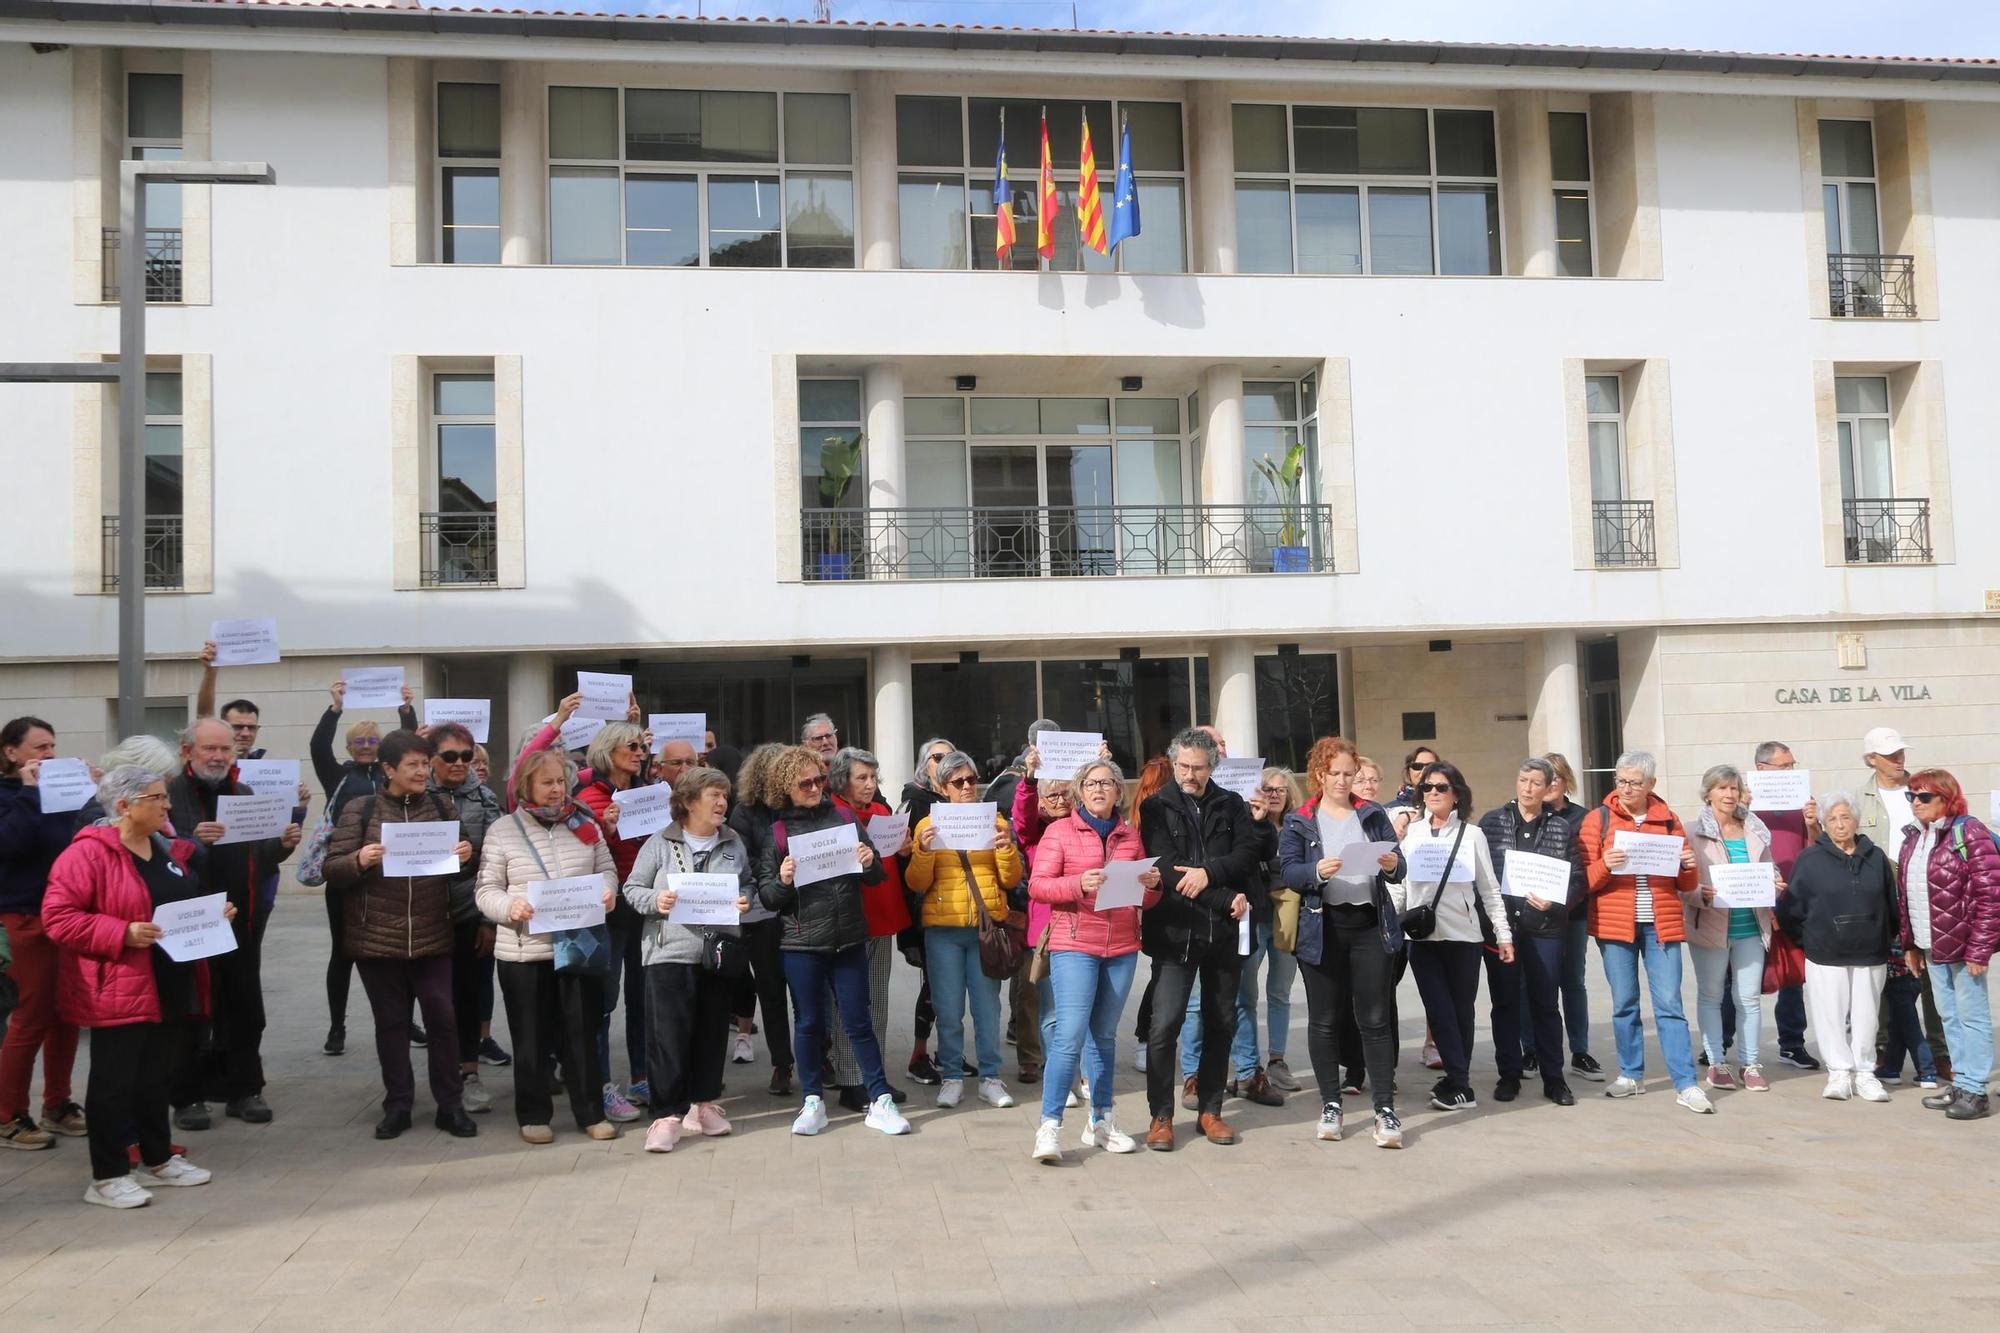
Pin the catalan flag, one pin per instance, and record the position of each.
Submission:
(1046, 206)
(1124, 192)
(1003, 199)
(1089, 208)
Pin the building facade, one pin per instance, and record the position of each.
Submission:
(1497, 399)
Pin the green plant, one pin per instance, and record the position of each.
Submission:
(1287, 479)
(839, 462)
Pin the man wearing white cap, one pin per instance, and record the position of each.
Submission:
(1885, 812)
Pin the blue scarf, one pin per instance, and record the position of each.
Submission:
(1103, 826)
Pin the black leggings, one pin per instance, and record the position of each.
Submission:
(763, 984)
(339, 967)
(1352, 987)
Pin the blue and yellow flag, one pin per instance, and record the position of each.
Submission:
(1124, 191)
(1003, 199)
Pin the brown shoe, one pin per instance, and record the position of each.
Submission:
(1160, 1136)
(1190, 1093)
(1216, 1130)
(1258, 1089)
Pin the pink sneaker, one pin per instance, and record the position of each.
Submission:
(1431, 1058)
(1720, 1077)
(663, 1135)
(707, 1117)
(1754, 1080)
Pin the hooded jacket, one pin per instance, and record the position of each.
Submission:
(402, 918)
(1840, 907)
(1964, 884)
(1708, 925)
(30, 842)
(1614, 898)
(667, 853)
(824, 917)
(95, 892)
(1212, 831)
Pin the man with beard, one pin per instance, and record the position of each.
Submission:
(236, 993)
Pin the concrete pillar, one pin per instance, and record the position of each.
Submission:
(882, 409)
(1232, 675)
(894, 741)
(1223, 481)
(531, 696)
(1555, 717)
(1214, 163)
(1527, 189)
(877, 238)
(523, 163)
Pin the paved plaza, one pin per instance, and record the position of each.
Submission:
(1783, 1210)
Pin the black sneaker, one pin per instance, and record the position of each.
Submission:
(923, 1069)
(194, 1116)
(781, 1082)
(1508, 1089)
(898, 1095)
(251, 1110)
(1798, 1059)
(493, 1053)
(418, 1037)
(1583, 1065)
(1969, 1106)
(1530, 1064)
(853, 1097)
(1558, 1092)
(1454, 1099)
(336, 1041)
(1702, 1059)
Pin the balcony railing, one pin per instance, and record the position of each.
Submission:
(460, 550)
(1887, 532)
(1060, 541)
(1622, 534)
(161, 558)
(1872, 286)
(163, 263)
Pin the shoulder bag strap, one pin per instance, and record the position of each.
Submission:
(1449, 861)
(972, 887)
(528, 836)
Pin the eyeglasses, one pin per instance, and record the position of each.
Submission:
(810, 784)
(1062, 796)
(823, 736)
(962, 782)
(1629, 782)
(634, 747)
(456, 756)
(152, 796)
(1280, 791)
(1190, 770)
(1099, 784)
(1925, 797)
(1435, 786)
(250, 727)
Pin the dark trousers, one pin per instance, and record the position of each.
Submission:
(236, 1003)
(809, 975)
(339, 967)
(553, 1014)
(1024, 1013)
(687, 1035)
(1218, 974)
(129, 1068)
(1904, 1030)
(1142, 1027)
(392, 984)
(1351, 989)
(1351, 1046)
(468, 965)
(763, 987)
(1537, 974)
(626, 929)
(1447, 973)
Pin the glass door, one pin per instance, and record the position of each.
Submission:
(1083, 534)
(1006, 507)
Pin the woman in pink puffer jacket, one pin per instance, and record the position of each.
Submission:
(1949, 903)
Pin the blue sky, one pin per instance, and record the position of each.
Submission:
(1845, 27)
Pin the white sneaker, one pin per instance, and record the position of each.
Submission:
(1103, 1132)
(1869, 1088)
(812, 1117)
(1329, 1123)
(475, 1097)
(1624, 1087)
(883, 1115)
(1139, 1058)
(118, 1192)
(1071, 1101)
(739, 1050)
(1839, 1087)
(994, 1093)
(1048, 1143)
(951, 1092)
(1695, 1100)
(176, 1170)
(1084, 1083)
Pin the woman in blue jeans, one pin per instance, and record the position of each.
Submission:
(1092, 952)
(1728, 943)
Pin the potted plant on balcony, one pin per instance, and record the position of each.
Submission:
(839, 460)
(1286, 479)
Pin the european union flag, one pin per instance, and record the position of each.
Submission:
(1124, 191)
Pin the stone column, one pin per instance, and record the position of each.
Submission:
(523, 163)
(1222, 451)
(894, 740)
(531, 696)
(1214, 183)
(1555, 695)
(1527, 189)
(877, 235)
(1232, 675)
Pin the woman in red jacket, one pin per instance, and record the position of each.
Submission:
(855, 779)
(113, 979)
(1092, 953)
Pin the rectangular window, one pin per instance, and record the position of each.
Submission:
(1605, 410)
(833, 470)
(1391, 190)
(1861, 405)
(153, 134)
(1848, 187)
(468, 150)
(611, 203)
(165, 473)
(460, 528)
(1569, 160)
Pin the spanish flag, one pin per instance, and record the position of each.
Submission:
(1046, 206)
(1003, 199)
(1089, 208)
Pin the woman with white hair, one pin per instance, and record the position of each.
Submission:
(1728, 943)
(1841, 909)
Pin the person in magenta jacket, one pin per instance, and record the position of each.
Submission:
(114, 979)
(1092, 954)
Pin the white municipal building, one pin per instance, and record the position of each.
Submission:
(1642, 399)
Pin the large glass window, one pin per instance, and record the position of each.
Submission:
(1298, 701)
(1394, 190)
(468, 151)
(462, 411)
(833, 470)
(1604, 411)
(947, 218)
(1848, 187)
(153, 134)
(165, 473)
(984, 707)
(1861, 404)
(609, 203)
(1569, 161)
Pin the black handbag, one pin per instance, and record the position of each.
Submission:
(724, 955)
(1419, 923)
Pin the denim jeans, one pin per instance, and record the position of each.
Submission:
(1968, 1024)
(1089, 995)
(844, 973)
(1903, 1027)
(1574, 984)
(1622, 960)
(1788, 1007)
(1280, 971)
(1541, 961)
(1243, 1047)
(951, 958)
(1734, 970)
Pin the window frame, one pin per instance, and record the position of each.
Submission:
(858, 500)
(1617, 421)
(623, 168)
(133, 146)
(1843, 193)
(177, 420)
(440, 164)
(1433, 183)
(1849, 455)
(1561, 187)
(436, 421)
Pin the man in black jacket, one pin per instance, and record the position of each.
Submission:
(1526, 824)
(1207, 847)
(236, 990)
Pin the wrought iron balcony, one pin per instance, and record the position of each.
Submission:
(163, 264)
(1872, 286)
(460, 550)
(161, 557)
(1887, 532)
(1061, 541)
(1622, 534)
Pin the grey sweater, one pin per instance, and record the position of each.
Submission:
(667, 853)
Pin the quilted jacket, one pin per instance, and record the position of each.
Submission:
(1964, 892)
(1614, 898)
(94, 893)
(509, 864)
(403, 918)
(1068, 847)
(1556, 838)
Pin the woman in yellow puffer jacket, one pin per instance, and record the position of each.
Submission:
(946, 880)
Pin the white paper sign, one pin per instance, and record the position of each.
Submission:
(1531, 875)
(1062, 753)
(1121, 887)
(824, 854)
(270, 777)
(193, 928)
(373, 687)
(1427, 861)
(887, 832)
(1360, 862)
(643, 811)
(1993, 810)
(420, 849)
(579, 732)
(250, 818)
(689, 727)
(1753, 885)
(704, 900)
(1242, 776)
(66, 785)
(605, 695)
(963, 828)
(565, 904)
(1649, 853)
(1780, 788)
(475, 715)
(244, 642)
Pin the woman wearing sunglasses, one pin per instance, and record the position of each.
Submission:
(1950, 920)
